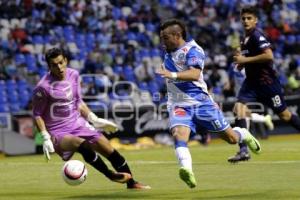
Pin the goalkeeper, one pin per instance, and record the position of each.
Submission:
(68, 125)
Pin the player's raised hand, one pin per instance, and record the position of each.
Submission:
(47, 145)
(108, 126)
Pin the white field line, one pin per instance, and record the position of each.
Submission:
(151, 162)
(205, 163)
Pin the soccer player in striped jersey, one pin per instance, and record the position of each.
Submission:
(261, 83)
(189, 104)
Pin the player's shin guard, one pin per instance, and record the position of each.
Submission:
(120, 165)
(93, 159)
(295, 121)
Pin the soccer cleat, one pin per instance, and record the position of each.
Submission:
(268, 122)
(119, 177)
(188, 177)
(239, 156)
(249, 139)
(138, 186)
(251, 142)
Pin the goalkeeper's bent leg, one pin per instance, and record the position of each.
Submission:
(93, 159)
(120, 165)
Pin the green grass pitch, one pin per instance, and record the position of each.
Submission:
(275, 174)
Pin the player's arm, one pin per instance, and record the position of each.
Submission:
(107, 126)
(84, 110)
(195, 62)
(191, 74)
(40, 124)
(39, 105)
(266, 56)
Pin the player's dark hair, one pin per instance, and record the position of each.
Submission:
(250, 9)
(172, 22)
(53, 53)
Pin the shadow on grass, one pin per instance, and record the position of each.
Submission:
(182, 194)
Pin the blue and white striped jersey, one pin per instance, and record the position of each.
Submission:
(186, 93)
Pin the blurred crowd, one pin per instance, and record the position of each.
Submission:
(117, 43)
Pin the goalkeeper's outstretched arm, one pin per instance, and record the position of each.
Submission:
(84, 110)
(107, 126)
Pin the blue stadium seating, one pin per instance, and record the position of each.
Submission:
(37, 39)
(14, 107)
(143, 86)
(3, 97)
(29, 59)
(153, 87)
(87, 79)
(145, 46)
(4, 108)
(19, 58)
(11, 85)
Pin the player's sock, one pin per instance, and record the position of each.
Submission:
(185, 161)
(247, 138)
(242, 123)
(243, 147)
(248, 122)
(120, 165)
(241, 135)
(266, 119)
(257, 117)
(183, 154)
(93, 159)
(295, 121)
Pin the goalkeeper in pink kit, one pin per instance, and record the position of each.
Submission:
(64, 121)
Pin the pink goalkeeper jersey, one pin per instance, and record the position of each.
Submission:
(57, 102)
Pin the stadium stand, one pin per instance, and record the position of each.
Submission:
(119, 39)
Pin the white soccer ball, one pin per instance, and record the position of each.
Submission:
(74, 172)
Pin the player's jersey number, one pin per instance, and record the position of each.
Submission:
(276, 101)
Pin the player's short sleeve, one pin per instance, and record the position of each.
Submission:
(39, 101)
(195, 58)
(263, 42)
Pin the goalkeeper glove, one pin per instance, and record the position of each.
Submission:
(107, 126)
(47, 145)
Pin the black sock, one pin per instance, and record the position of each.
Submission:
(93, 159)
(120, 165)
(242, 124)
(243, 147)
(295, 121)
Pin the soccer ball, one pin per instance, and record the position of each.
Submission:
(74, 172)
